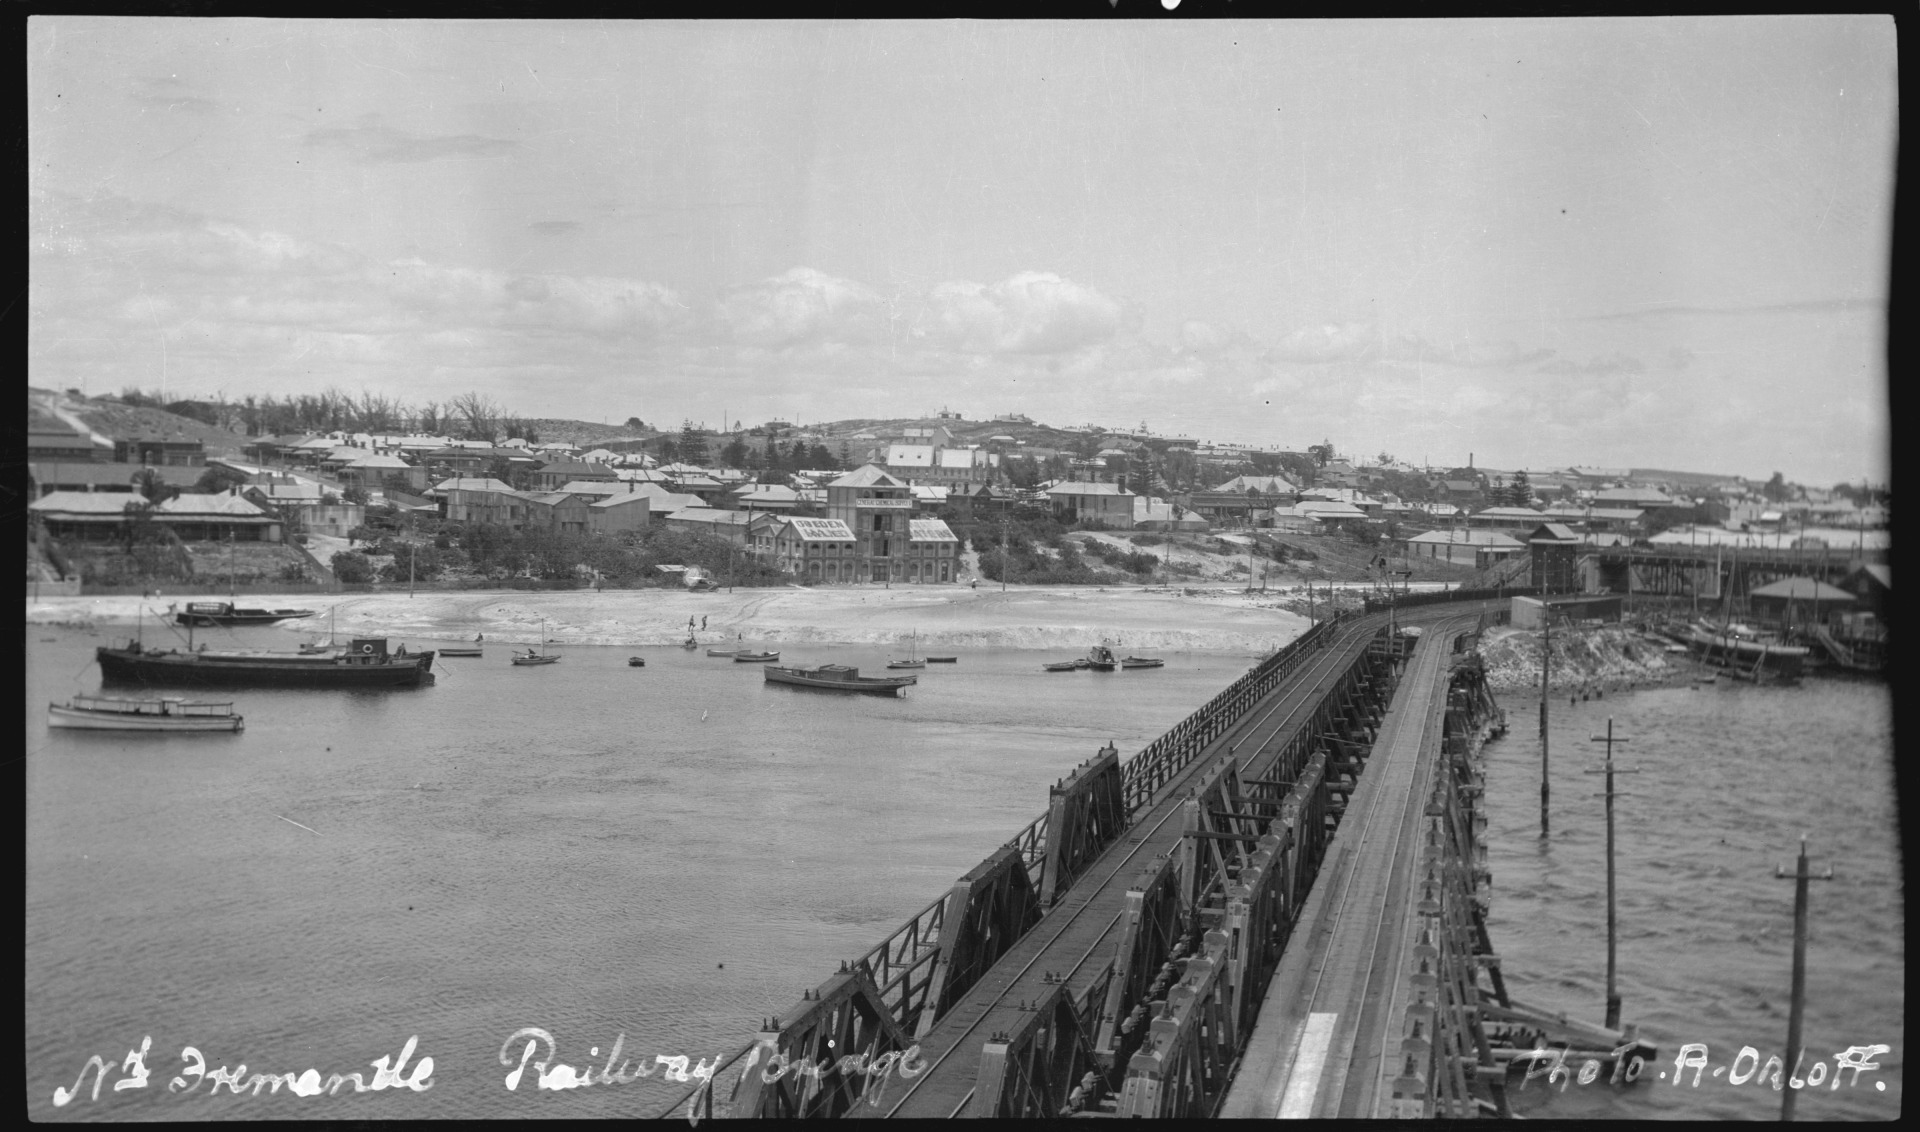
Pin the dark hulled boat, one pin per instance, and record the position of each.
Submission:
(365, 663)
(206, 613)
(838, 678)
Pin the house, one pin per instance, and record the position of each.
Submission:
(159, 448)
(481, 499)
(1104, 504)
(58, 475)
(552, 476)
(1644, 498)
(877, 507)
(933, 551)
(102, 516)
(1627, 520)
(701, 519)
(1328, 512)
(374, 472)
(1799, 601)
(615, 514)
(58, 443)
(766, 497)
(818, 550)
(562, 511)
(1478, 549)
(1534, 612)
(1554, 548)
(1163, 515)
(1872, 588)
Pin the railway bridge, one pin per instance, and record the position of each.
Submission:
(1275, 908)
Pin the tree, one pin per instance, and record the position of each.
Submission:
(734, 455)
(218, 479)
(1321, 453)
(355, 494)
(1300, 469)
(1775, 489)
(478, 413)
(1520, 492)
(669, 450)
(153, 487)
(636, 424)
(819, 458)
(693, 445)
(1180, 467)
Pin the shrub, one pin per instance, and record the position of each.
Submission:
(353, 567)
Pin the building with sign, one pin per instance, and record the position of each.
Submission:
(889, 544)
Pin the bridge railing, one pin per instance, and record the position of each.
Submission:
(1441, 597)
(1160, 760)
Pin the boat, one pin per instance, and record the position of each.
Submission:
(205, 613)
(837, 678)
(723, 652)
(636, 662)
(910, 662)
(1100, 659)
(1141, 662)
(1748, 653)
(754, 657)
(531, 657)
(689, 643)
(466, 650)
(364, 663)
(739, 646)
(170, 713)
(943, 660)
(1065, 666)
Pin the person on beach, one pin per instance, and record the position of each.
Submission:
(703, 622)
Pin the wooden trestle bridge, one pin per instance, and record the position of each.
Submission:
(1275, 908)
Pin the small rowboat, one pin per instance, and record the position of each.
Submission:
(943, 660)
(723, 652)
(906, 664)
(1141, 662)
(636, 662)
(1064, 666)
(530, 657)
(102, 713)
(754, 657)
(460, 651)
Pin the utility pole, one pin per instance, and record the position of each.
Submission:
(1546, 665)
(1613, 993)
(1801, 876)
(1003, 552)
(410, 551)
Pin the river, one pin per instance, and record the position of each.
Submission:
(671, 853)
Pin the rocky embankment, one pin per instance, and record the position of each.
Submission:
(1613, 656)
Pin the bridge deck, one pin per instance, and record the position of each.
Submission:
(1079, 933)
(1323, 1043)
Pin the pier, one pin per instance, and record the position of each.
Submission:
(1274, 909)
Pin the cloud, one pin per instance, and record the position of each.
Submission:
(371, 143)
(803, 306)
(1031, 313)
(1355, 341)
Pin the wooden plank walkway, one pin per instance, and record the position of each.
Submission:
(1332, 1011)
(1080, 933)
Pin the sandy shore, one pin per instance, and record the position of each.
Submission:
(1050, 617)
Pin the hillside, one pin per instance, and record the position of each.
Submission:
(112, 419)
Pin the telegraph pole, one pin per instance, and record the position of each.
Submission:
(1613, 993)
(1546, 665)
(1801, 876)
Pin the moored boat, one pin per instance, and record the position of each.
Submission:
(1100, 659)
(204, 613)
(364, 663)
(105, 713)
(636, 662)
(1064, 666)
(461, 650)
(754, 657)
(1748, 653)
(943, 660)
(1141, 662)
(837, 678)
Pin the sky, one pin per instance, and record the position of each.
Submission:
(1652, 242)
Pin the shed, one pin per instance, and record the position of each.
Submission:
(1798, 601)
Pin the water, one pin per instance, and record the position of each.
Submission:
(579, 847)
(1729, 778)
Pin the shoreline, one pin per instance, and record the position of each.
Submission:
(939, 618)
